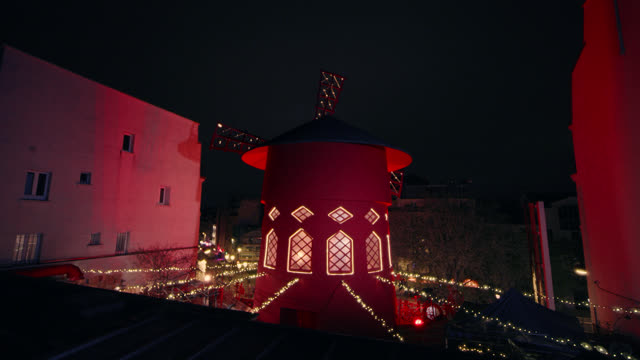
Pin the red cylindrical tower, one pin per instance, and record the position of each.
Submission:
(326, 194)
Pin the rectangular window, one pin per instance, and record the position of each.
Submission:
(36, 185)
(122, 242)
(85, 178)
(127, 143)
(95, 239)
(27, 248)
(164, 195)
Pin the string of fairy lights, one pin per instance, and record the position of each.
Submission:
(368, 308)
(238, 269)
(508, 325)
(138, 270)
(274, 296)
(414, 291)
(210, 287)
(496, 290)
(563, 341)
(161, 284)
(251, 265)
(480, 350)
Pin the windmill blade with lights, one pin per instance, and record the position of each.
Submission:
(228, 139)
(328, 93)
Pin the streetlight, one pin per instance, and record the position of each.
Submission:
(580, 272)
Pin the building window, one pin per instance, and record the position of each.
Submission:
(27, 250)
(373, 247)
(274, 213)
(85, 178)
(164, 195)
(339, 254)
(340, 215)
(36, 186)
(272, 250)
(372, 216)
(127, 143)
(300, 252)
(301, 213)
(95, 239)
(122, 242)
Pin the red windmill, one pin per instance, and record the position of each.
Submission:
(325, 235)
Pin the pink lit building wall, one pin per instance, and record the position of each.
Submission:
(606, 137)
(78, 159)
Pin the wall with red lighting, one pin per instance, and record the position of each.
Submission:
(326, 177)
(59, 122)
(606, 110)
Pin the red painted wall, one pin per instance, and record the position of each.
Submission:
(606, 89)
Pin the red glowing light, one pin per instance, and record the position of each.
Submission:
(418, 322)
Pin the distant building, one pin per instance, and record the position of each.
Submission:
(566, 254)
(235, 219)
(416, 187)
(90, 175)
(249, 246)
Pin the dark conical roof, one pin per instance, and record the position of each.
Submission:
(327, 129)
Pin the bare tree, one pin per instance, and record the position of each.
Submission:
(165, 266)
(452, 239)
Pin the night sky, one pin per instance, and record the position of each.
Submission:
(471, 89)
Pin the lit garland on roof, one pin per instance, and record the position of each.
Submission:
(479, 350)
(185, 281)
(485, 287)
(447, 282)
(209, 287)
(563, 341)
(508, 325)
(253, 265)
(368, 308)
(157, 285)
(414, 291)
(274, 296)
(106, 272)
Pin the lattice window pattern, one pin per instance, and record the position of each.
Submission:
(389, 249)
(372, 216)
(271, 252)
(301, 213)
(340, 215)
(300, 252)
(373, 246)
(339, 254)
(274, 213)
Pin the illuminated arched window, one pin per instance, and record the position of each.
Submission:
(339, 254)
(372, 216)
(373, 247)
(274, 213)
(271, 250)
(389, 249)
(299, 252)
(340, 215)
(301, 214)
